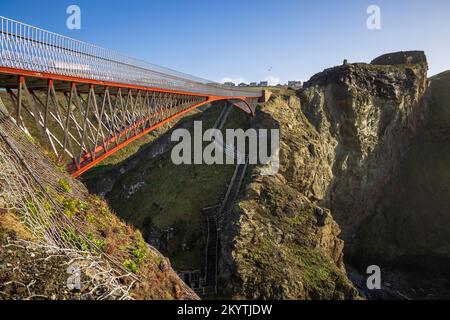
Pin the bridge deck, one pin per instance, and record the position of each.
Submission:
(109, 99)
(26, 47)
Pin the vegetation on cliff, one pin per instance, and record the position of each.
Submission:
(279, 243)
(50, 223)
(384, 127)
(364, 149)
(161, 198)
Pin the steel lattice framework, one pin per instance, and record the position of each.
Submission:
(87, 102)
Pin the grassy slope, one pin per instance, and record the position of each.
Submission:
(173, 197)
(111, 235)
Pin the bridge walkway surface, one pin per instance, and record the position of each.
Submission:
(84, 102)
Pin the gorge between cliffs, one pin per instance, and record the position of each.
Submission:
(364, 180)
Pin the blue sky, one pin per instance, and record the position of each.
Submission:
(250, 39)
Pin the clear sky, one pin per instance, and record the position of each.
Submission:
(250, 40)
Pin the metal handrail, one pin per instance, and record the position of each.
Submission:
(30, 48)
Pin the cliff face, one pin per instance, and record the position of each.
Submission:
(368, 115)
(160, 198)
(386, 132)
(366, 145)
(412, 221)
(279, 243)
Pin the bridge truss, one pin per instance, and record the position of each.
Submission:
(85, 102)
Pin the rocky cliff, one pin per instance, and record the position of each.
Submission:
(365, 145)
(368, 116)
(386, 131)
(279, 243)
(410, 222)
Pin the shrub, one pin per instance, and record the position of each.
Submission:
(130, 265)
(65, 186)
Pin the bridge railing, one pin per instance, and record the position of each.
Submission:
(34, 49)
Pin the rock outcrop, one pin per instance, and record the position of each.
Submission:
(402, 57)
(411, 223)
(368, 116)
(279, 243)
(386, 131)
(368, 146)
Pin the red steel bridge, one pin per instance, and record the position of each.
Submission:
(85, 102)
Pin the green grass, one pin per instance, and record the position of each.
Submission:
(236, 119)
(173, 195)
(189, 259)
